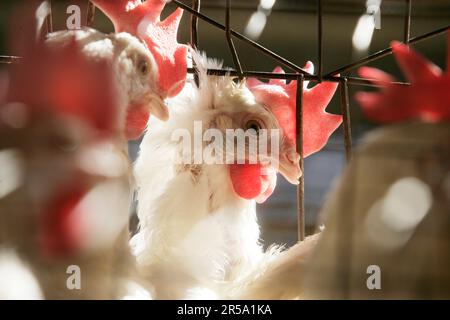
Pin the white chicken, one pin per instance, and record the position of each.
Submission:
(199, 236)
(135, 73)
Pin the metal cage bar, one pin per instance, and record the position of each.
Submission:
(299, 145)
(196, 4)
(385, 52)
(9, 59)
(194, 24)
(239, 36)
(90, 14)
(294, 76)
(345, 110)
(407, 26)
(49, 18)
(234, 54)
(320, 40)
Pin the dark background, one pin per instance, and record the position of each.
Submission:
(291, 31)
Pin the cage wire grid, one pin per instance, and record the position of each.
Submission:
(297, 73)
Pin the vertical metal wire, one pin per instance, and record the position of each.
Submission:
(196, 4)
(344, 241)
(194, 24)
(407, 27)
(234, 54)
(299, 143)
(346, 122)
(320, 39)
(90, 14)
(49, 18)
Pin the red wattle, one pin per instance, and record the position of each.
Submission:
(136, 122)
(252, 181)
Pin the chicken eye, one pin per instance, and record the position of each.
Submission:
(253, 124)
(143, 67)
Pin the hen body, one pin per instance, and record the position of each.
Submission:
(198, 238)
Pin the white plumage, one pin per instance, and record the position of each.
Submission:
(17, 281)
(197, 237)
(134, 67)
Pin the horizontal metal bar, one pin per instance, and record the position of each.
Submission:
(293, 76)
(9, 59)
(258, 74)
(335, 7)
(385, 52)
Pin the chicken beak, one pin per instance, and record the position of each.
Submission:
(158, 108)
(289, 166)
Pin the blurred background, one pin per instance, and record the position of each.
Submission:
(289, 28)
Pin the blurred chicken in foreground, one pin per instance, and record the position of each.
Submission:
(387, 220)
(390, 210)
(64, 180)
(71, 106)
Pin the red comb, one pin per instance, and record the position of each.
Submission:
(427, 98)
(142, 19)
(280, 98)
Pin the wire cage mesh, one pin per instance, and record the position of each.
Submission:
(296, 72)
(340, 75)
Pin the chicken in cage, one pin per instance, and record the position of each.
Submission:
(201, 150)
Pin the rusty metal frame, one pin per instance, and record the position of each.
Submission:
(297, 73)
(300, 75)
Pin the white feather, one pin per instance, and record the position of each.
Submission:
(17, 281)
(196, 235)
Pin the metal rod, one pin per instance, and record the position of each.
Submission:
(320, 40)
(194, 34)
(90, 14)
(241, 37)
(257, 74)
(194, 24)
(237, 63)
(407, 28)
(293, 76)
(385, 52)
(49, 18)
(346, 121)
(9, 59)
(299, 143)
